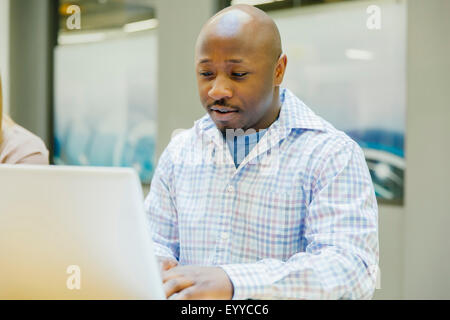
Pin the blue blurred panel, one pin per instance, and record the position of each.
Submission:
(139, 156)
(101, 149)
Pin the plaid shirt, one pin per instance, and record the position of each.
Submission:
(296, 220)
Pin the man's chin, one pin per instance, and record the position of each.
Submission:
(225, 125)
(223, 128)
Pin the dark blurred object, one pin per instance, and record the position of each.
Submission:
(107, 14)
(268, 5)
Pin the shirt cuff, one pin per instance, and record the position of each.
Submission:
(162, 251)
(249, 280)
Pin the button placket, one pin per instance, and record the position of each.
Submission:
(223, 236)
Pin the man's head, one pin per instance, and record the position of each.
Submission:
(240, 66)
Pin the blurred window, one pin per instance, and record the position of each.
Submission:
(106, 84)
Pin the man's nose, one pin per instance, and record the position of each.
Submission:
(220, 89)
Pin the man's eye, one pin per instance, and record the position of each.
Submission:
(206, 74)
(239, 74)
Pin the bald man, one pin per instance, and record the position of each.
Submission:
(261, 199)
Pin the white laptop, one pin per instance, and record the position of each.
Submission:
(74, 233)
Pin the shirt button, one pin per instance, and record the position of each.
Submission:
(224, 235)
(230, 189)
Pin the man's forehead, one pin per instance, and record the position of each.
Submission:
(233, 48)
(230, 24)
(229, 55)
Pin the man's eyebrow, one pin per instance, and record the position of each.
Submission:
(234, 60)
(228, 60)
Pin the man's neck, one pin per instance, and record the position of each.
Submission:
(273, 112)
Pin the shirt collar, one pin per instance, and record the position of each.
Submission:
(294, 114)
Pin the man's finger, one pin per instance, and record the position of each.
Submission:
(176, 285)
(172, 273)
(189, 293)
(167, 264)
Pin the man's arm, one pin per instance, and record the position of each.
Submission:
(341, 258)
(161, 211)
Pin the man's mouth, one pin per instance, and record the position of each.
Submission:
(223, 113)
(223, 109)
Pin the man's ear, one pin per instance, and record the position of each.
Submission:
(280, 68)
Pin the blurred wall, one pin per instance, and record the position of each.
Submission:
(390, 235)
(427, 210)
(4, 52)
(31, 66)
(178, 101)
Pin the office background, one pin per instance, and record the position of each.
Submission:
(414, 247)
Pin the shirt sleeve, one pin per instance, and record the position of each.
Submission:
(341, 257)
(35, 158)
(161, 210)
(21, 146)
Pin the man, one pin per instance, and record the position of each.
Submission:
(287, 211)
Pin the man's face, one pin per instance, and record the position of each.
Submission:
(235, 82)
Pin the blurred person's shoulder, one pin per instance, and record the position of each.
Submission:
(20, 146)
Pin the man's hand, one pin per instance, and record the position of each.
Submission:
(166, 263)
(193, 282)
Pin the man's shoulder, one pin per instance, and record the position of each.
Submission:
(186, 137)
(314, 133)
(332, 135)
(324, 135)
(302, 118)
(184, 141)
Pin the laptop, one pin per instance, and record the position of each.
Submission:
(75, 233)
